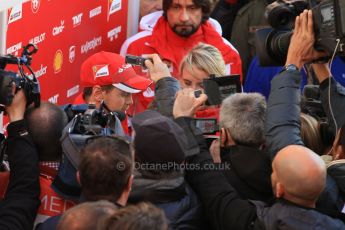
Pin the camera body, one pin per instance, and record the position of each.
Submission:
(329, 26)
(8, 79)
(218, 88)
(87, 119)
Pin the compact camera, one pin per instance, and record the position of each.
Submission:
(136, 60)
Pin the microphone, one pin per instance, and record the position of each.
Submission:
(119, 114)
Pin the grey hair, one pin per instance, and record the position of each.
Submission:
(243, 115)
(204, 57)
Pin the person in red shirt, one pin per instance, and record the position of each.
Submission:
(184, 24)
(107, 79)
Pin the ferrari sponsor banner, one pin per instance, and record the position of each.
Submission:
(66, 33)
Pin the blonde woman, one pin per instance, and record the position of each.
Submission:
(202, 61)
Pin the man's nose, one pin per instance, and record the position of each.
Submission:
(129, 99)
(184, 16)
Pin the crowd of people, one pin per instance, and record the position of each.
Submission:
(135, 158)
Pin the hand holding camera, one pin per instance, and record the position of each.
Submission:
(186, 104)
(16, 110)
(157, 68)
(328, 29)
(301, 49)
(11, 82)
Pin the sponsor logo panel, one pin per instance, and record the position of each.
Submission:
(114, 33)
(58, 61)
(91, 45)
(77, 19)
(38, 39)
(54, 99)
(35, 5)
(14, 49)
(71, 55)
(58, 29)
(72, 91)
(15, 13)
(96, 11)
(42, 71)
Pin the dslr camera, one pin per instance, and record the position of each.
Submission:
(87, 120)
(21, 80)
(329, 27)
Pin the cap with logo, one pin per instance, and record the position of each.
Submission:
(105, 68)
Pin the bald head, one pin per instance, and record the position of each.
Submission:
(86, 215)
(300, 172)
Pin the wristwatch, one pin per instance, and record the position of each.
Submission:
(289, 68)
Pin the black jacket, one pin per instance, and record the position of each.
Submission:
(337, 94)
(226, 210)
(175, 197)
(165, 91)
(250, 172)
(19, 207)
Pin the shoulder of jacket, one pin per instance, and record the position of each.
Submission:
(134, 39)
(250, 5)
(230, 45)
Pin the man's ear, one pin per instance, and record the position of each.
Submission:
(78, 177)
(97, 95)
(338, 152)
(279, 190)
(129, 184)
(225, 138)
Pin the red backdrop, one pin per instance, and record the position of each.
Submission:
(66, 33)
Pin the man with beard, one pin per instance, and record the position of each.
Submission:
(183, 25)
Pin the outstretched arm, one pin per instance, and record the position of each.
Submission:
(19, 207)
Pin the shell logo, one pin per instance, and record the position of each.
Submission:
(58, 61)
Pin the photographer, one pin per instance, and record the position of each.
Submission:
(298, 175)
(19, 207)
(335, 105)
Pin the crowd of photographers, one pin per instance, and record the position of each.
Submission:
(134, 151)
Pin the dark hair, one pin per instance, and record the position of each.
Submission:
(105, 168)
(87, 215)
(205, 6)
(45, 124)
(87, 92)
(136, 217)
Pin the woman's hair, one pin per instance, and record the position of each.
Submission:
(136, 217)
(204, 57)
(310, 133)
